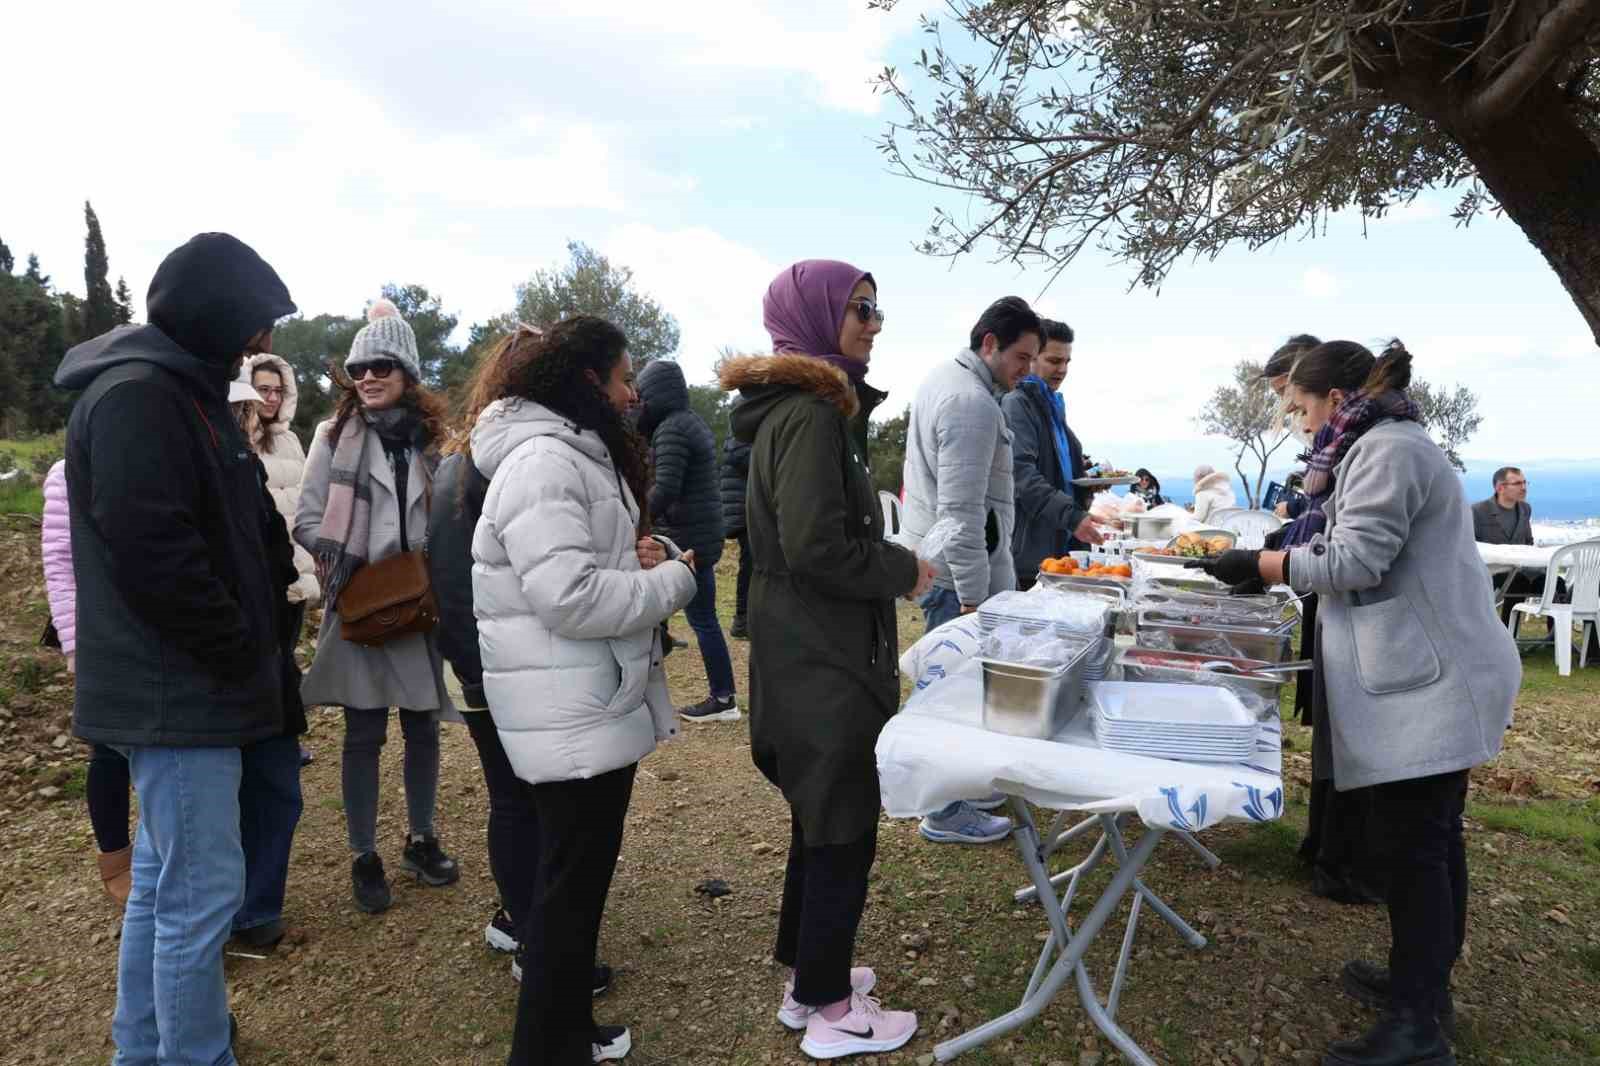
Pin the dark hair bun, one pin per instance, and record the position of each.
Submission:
(1393, 369)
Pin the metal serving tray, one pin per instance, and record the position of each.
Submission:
(1029, 700)
(1245, 643)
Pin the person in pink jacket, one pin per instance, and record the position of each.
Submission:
(108, 784)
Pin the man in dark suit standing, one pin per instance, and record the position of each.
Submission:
(1505, 517)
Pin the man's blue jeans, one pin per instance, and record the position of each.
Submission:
(939, 606)
(702, 615)
(188, 882)
(269, 810)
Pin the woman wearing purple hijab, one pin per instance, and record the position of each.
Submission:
(823, 641)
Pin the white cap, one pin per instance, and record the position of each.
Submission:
(240, 389)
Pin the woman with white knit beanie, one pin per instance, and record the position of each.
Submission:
(364, 498)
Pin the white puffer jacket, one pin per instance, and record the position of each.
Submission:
(1213, 493)
(285, 463)
(566, 617)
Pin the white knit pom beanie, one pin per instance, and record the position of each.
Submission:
(385, 336)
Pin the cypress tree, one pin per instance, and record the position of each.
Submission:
(124, 303)
(99, 306)
(7, 260)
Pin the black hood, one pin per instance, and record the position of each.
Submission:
(755, 403)
(663, 389)
(125, 344)
(213, 294)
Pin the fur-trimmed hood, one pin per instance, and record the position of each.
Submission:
(291, 387)
(757, 375)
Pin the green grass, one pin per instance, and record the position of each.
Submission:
(1564, 822)
(26, 449)
(21, 496)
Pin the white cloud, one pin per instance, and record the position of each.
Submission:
(1319, 284)
(711, 284)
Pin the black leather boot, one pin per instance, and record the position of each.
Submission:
(1368, 985)
(1402, 1037)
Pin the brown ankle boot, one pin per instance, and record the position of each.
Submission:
(117, 874)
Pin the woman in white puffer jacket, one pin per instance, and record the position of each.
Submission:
(281, 452)
(568, 591)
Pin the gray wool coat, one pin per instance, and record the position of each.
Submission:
(407, 673)
(1421, 675)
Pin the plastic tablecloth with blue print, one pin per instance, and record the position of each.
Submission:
(936, 751)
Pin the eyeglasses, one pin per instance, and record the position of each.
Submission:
(378, 368)
(271, 390)
(867, 310)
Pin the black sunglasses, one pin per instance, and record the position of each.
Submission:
(867, 310)
(378, 368)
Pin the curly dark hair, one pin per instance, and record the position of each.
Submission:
(431, 408)
(551, 368)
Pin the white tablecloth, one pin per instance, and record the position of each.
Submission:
(936, 751)
(1526, 556)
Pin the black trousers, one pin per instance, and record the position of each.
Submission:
(1427, 860)
(824, 893)
(513, 819)
(747, 566)
(580, 837)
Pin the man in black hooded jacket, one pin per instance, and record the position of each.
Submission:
(178, 650)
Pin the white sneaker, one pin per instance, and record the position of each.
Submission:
(795, 1014)
(866, 1029)
(612, 1042)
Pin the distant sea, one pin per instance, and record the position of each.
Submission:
(1565, 495)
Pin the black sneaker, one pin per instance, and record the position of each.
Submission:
(669, 643)
(712, 709)
(611, 1043)
(263, 937)
(501, 932)
(426, 859)
(370, 887)
(740, 630)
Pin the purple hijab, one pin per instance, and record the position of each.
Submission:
(804, 310)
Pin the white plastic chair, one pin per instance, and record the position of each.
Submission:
(1581, 565)
(891, 513)
(1250, 527)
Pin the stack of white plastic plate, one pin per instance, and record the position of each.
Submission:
(1193, 723)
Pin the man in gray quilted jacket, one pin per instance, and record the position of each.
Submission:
(958, 467)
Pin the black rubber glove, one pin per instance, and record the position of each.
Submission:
(1254, 587)
(1235, 566)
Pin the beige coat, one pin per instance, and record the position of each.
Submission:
(405, 673)
(285, 464)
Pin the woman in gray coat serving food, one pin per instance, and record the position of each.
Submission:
(364, 498)
(1421, 678)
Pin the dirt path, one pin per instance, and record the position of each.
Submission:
(417, 985)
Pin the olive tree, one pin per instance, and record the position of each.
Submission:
(1158, 130)
(1249, 414)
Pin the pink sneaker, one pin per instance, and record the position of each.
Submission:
(795, 1014)
(867, 1028)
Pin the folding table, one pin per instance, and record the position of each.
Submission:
(936, 751)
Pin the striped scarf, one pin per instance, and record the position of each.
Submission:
(346, 520)
(1349, 424)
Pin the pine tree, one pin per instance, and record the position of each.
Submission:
(124, 302)
(99, 306)
(34, 274)
(7, 260)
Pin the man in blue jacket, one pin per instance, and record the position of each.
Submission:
(1052, 515)
(178, 645)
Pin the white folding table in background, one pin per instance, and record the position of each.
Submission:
(936, 751)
